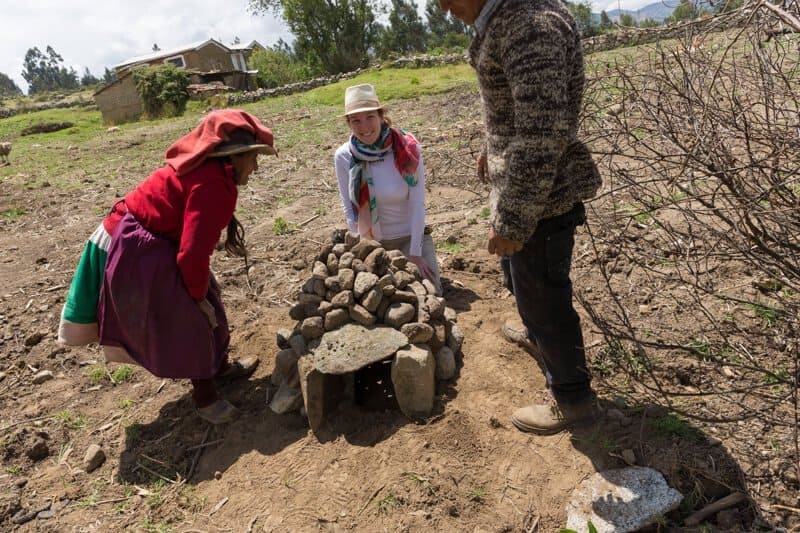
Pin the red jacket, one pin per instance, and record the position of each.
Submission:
(191, 210)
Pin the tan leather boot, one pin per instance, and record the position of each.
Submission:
(547, 419)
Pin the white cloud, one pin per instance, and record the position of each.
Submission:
(101, 33)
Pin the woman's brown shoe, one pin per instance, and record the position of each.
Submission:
(237, 369)
(219, 412)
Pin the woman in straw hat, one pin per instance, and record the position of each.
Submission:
(382, 182)
(143, 286)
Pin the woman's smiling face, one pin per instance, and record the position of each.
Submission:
(366, 126)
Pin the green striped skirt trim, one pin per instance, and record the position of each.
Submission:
(78, 324)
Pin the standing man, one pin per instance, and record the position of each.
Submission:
(529, 63)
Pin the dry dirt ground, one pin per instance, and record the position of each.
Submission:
(465, 469)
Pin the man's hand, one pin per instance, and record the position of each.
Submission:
(483, 168)
(423, 266)
(502, 247)
(209, 311)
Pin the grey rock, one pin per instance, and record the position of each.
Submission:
(324, 308)
(305, 298)
(372, 299)
(399, 262)
(321, 392)
(282, 337)
(362, 316)
(286, 400)
(308, 286)
(389, 290)
(42, 376)
(299, 264)
(403, 279)
(312, 327)
(450, 314)
(413, 376)
(343, 299)
(319, 287)
(351, 239)
(358, 266)
(323, 253)
(404, 297)
(39, 450)
(398, 314)
(364, 247)
(392, 254)
(333, 283)
(621, 500)
(301, 311)
(380, 312)
(429, 286)
(455, 337)
(339, 249)
(417, 332)
(320, 270)
(387, 280)
(346, 261)
(376, 262)
(93, 458)
(347, 278)
(364, 282)
(434, 305)
(333, 264)
(418, 288)
(439, 337)
(336, 318)
(354, 346)
(285, 366)
(445, 363)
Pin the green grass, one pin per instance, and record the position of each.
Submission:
(97, 373)
(388, 503)
(673, 425)
(452, 247)
(281, 227)
(87, 153)
(13, 213)
(72, 421)
(122, 374)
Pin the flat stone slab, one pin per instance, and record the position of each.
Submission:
(621, 500)
(353, 346)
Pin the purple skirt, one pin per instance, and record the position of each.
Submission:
(145, 308)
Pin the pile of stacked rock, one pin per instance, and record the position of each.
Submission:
(361, 305)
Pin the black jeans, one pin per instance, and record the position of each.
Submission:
(538, 276)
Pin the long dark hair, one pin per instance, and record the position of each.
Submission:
(234, 238)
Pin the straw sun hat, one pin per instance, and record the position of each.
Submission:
(240, 141)
(360, 98)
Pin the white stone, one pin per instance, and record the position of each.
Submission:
(445, 364)
(621, 500)
(413, 377)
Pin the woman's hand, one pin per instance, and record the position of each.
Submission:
(423, 266)
(208, 310)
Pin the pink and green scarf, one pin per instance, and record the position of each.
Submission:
(361, 191)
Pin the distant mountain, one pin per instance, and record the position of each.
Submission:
(657, 11)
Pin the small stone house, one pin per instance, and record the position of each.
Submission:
(206, 62)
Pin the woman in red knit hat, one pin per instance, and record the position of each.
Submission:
(143, 286)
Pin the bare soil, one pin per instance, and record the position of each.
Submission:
(465, 469)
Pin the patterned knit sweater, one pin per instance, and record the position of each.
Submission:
(529, 65)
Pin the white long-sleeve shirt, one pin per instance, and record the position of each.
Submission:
(401, 208)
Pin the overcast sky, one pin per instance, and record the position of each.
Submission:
(102, 33)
